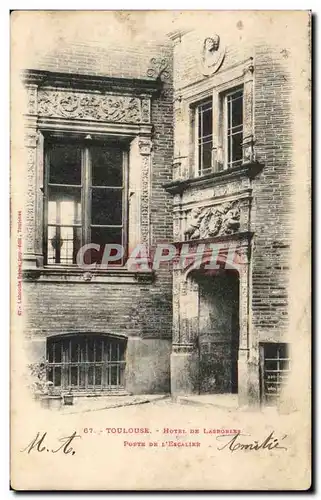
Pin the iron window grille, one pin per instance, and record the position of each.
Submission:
(83, 363)
(275, 369)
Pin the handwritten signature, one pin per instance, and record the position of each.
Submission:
(38, 444)
(235, 444)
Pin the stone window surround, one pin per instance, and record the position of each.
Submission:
(137, 131)
(187, 99)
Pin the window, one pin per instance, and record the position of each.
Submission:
(275, 367)
(86, 362)
(225, 135)
(204, 118)
(234, 128)
(85, 199)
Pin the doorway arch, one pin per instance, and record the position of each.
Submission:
(218, 330)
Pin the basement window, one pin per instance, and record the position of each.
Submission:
(86, 362)
(274, 368)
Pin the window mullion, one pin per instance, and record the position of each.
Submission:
(197, 144)
(86, 195)
(46, 202)
(125, 204)
(230, 126)
(225, 133)
(58, 233)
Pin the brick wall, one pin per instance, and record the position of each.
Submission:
(272, 193)
(88, 57)
(272, 188)
(133, 310)
(143, 310)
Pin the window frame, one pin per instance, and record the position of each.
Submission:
(199, 170)
(226, 136)
(273, 398)
(86, 192)
(219, 157)
(106, 363)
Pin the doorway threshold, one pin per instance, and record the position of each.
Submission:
(227, 401)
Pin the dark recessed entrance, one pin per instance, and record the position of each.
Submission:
(218, 332)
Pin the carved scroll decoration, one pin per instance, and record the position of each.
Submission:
(110, 108)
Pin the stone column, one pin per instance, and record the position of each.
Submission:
(184, 357)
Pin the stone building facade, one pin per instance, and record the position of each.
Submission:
(231, 182)
(90, 107)
(196, 134)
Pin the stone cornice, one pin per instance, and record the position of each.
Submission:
(249, 170)
(134, 86)
(177, 35)
(77, 275)
(242, 237)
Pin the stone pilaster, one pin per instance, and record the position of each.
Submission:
(184, 370)
(181, 146)
(248, 113)
(29, 215)
(248, 359)
(185, 356)
(145, 150)
(176, 306)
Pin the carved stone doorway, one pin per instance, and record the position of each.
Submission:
(218, 331)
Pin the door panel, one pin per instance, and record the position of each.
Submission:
(218, 333)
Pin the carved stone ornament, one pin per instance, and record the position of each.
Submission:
(145, 147)
(248, 152)
(158, 69)
(32, 99)
(109, 108)
(213, 221)
(212, 55)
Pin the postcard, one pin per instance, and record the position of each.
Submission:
(160, 250)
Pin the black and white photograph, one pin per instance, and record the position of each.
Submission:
(160, 246)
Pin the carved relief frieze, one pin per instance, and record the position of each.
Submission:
(206, 222)
(109, 108)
